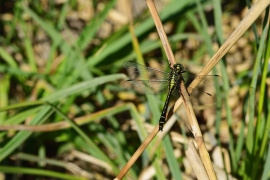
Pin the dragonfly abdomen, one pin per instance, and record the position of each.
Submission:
(174, 81)
(162, 119)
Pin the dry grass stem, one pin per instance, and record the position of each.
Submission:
(91, 159)
(137, 154)
(195, 129)
(196, 162)
(161, 32)
(62, 124)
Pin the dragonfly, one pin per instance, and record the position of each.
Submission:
(147, 80)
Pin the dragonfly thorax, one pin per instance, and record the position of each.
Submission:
(179, 68)
(176, 76)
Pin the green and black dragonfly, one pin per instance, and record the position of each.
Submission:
(146, 80)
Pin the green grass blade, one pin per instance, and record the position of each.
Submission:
(21, 136)
(80, 87)
(266, 167)
(100, 154)
(29, 48)
(4, 88)
(169, 10)
(226, 87)
(37, 172)
(261, 101)
(21, 116)
(91, 29)
(70, 65)
(9, 59)
(63, 14)
(250, 136)
(22, 105)
(172, 161)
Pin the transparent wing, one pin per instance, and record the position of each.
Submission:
(147, 86)
(158, 83)
(198, 97)
(207, 80)
(204, 93)
(138, 71)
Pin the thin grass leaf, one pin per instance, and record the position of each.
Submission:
(63, 14)
(217, 7)
(265, 56)
(147, 46)
(9, 59)
(21, 136)
(22, 105)
(53, 51)
(80, 87)
(172, 162)
(62, 164)
(260, 127)
(4, 88)
(15, 71)
(90, 30)
(266, 169)
(38, 172)
(253, 26)
(21, 116)
(70, 53)
(29, 48)
(113, 145)
(169, 10)
(251, 140)
(94, 148)
(226, 87)
(262, 91)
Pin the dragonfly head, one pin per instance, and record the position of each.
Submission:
(179, 67)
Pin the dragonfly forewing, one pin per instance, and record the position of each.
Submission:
(138, 71)
(147, 86)
(206, 80)
(198, 97)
